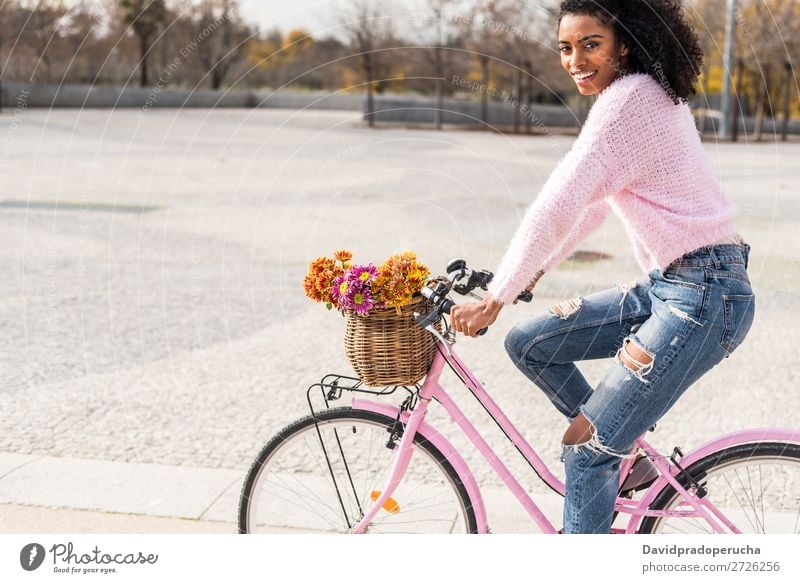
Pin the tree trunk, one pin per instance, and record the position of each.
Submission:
(370, 113)
(516, 95)
(485, 92)
(787, 99)
(526, 97)
(1, 78)
(762, 99)
(143, 46)
(704, 110)
(216, 77)
(437, 113)
(738, 110)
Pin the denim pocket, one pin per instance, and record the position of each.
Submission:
(693, 275)
(731, 271)
(683, 298)
(738, 313)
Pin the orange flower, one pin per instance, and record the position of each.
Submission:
(399, 278)
(318, 279)
(342, 255)
(310, 287)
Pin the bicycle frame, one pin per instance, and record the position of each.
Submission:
(431, 389)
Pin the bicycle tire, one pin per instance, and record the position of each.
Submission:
(254, 507)
(749, 512)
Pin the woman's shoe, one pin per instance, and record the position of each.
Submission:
(643, 473)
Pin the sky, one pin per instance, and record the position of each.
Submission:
(288, 14)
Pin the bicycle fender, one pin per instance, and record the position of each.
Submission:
(444, 446)
(719, 444)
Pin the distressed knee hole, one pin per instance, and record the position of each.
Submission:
(579, 431)
(582, 434)
(636, 359)
(566, 308)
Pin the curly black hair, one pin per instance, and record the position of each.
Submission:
(661, 42)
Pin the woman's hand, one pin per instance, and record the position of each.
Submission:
(469, 318)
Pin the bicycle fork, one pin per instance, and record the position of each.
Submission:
(400, 465)
(406, 447)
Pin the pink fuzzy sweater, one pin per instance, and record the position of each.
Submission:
(639, 155)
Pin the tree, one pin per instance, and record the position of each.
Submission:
(146, 17)
(222, 38)
(367, 28)
(524, 39)
(440, 31)
(85, 40)
(766, 37)
(767, 41)
(7, 11)
(38, 25)
(489, 26)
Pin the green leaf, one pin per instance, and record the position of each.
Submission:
(329, 305)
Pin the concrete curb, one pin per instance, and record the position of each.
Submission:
(53, 494)
(19, 519)
(133, 488)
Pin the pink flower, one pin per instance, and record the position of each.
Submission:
(361, 301)
(363, 274)
(339, 290)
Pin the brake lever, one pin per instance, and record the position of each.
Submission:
(525, 296)
(428, 324)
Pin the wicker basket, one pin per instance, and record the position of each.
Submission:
(387, 347)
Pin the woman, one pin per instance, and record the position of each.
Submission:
(638, 154)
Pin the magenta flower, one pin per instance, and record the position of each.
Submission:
(361, 301)
(352, 291)
(363, 274)
(339, 290)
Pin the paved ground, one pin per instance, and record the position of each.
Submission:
(156, 317)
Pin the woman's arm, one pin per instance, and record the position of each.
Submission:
(588, 223)
(471, 317)
(571, 202)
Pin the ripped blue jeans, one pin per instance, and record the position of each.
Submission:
(684, 320)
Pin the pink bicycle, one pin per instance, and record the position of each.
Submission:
(379, 468)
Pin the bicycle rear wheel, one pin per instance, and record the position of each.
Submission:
(296, 485)
(755, 485)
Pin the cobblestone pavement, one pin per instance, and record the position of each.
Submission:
(157, 314)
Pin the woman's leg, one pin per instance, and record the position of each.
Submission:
(683, 339)
(545, 347)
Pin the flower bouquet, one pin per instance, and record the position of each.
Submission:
(383, 343)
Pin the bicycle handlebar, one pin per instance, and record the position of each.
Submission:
(461, 280)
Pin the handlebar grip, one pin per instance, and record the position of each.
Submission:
(448, 303)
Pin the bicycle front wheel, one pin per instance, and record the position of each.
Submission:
(309, 480)
(755, 485)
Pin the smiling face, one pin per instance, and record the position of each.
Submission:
(590, 52)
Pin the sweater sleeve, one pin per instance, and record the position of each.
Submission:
(592, 219)
(570, 204)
